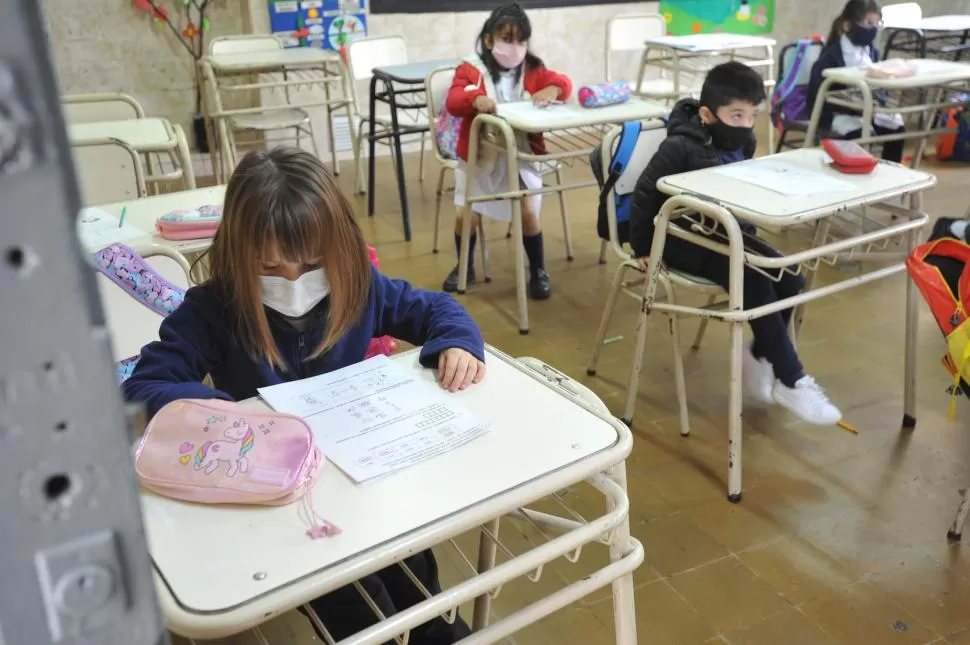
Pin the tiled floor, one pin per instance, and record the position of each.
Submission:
(840, 539)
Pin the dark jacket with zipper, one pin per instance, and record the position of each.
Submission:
(831, 57)
(196, 340)
(688, 146)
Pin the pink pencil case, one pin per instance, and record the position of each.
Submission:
(892, 68)
(195, 224)
(594, 96)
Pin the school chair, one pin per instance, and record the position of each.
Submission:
(902, 24)
(651, 136)
(627, 34)
(363, 55)
(436, 87)
(256, 126)
(796, 90)
(108, 171)
(117, 106)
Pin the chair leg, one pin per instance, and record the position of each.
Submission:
(483, 246)
(508, 233)
(781, 140)
(421, 160)
(703, 325)
(361, 183)
(313, 142)
(604, 245)
(437, 207)
(565, 219)
(607, 318)
(643, 323)
(674, 323)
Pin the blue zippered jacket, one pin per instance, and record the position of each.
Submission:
(196, 339)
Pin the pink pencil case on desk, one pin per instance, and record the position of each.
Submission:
(594, 96)
(194, 224)
(892, 68)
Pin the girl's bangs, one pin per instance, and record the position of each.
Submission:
(519, 23)
(297, 228)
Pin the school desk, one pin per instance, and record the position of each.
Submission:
(571, 133)
(402, 89)
(719, 198)
(287, 80)
(683, 62)
(938, 81)
(934, 35)
(147, 136)
(142, 213)
(222, 570)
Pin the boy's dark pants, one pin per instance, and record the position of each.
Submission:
(344, 612)
(771, 339)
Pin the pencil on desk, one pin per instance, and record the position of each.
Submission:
(121, 220)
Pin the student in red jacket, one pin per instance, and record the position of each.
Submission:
(504, 70)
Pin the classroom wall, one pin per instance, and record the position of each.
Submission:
(108, 46)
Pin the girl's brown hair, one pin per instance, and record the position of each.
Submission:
(287, 197)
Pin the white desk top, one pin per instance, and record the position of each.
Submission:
(711, 42)
(929, 72)
(208, 555)
(954, 22)
(768, 208)
(525, 117)
(141, 134)
(272, 58)
(142, 214)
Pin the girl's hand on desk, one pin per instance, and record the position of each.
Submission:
(457, 369)
(484, 104)
(546, 96)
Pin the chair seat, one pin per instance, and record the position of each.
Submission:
(271, 120)
(684, 279)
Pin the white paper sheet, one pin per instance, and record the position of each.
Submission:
(707, 42)
(527, 109)
(373, 418)
(785, 178)
(98, 229)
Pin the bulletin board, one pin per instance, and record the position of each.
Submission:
(324, 24)
(712, 16)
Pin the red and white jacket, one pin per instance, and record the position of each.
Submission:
(461, 99)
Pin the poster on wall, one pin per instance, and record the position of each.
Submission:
(713, 16)
(327, 24)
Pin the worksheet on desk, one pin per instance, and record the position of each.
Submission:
(374, 418)
(784, 178)
(98, 229)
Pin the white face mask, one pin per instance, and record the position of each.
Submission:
(294, 298)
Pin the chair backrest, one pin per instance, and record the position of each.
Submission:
(787, 57)
(92, 108)
(131, 324)
(108, 171)
(905, 14)
(244, 44)
(629, 32)
(365, 54)
(652, 134)
(436, 87)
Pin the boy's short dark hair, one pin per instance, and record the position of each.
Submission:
(732, 81)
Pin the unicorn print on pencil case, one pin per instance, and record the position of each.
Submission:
(210, 454)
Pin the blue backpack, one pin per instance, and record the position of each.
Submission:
(625, 147)
(789, 101)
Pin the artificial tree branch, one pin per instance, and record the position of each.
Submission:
(157, 12)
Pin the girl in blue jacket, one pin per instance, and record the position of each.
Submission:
(292, 294)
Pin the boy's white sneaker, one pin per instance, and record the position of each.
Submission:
(758, 377)
(807, 401)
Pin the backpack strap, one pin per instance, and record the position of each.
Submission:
(790, 80)
(618, 163)
(123, 266)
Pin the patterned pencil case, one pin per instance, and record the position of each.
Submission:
(193, 224)
(594, 96)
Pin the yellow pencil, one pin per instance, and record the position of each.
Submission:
(845, 426)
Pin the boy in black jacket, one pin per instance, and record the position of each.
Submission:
(716, 130)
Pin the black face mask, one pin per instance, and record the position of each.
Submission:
(862, 36)
(728, 137)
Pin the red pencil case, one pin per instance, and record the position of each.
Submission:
(194, 224)
(849, 157)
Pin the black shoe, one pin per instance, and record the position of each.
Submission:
(539, 285)
(450, 284)
(942, 229)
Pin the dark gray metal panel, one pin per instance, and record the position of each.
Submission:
(75, 568)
